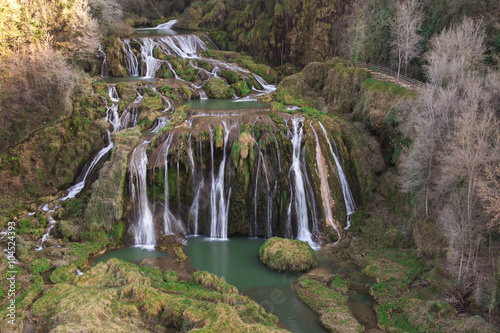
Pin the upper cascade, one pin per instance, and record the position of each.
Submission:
(158, 57)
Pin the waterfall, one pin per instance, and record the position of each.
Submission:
(130, 59)
(160, 123)
(350, 205)
(152, 64)
(288, 225)
(167, 26)
(325, 188)
(270, 199)
(144, 231)
(46, 236)
(113, 94)
(262, 165)
(219, 208)
(171, 224)
(198, 183)
(184, 46)
(303, 232)
(203, 94)
(78, 187)
(255, 202)
(102, 55)
(267, 88)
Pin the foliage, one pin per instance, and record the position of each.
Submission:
(39, 266)
(64, 274)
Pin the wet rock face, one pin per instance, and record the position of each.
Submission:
(238, 164)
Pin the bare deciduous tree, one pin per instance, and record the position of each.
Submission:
(455, 134)
(489, 192)
(405, 30)
(455, 51)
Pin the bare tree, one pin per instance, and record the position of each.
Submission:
(455, 51)
(455, 134)
(405, 30)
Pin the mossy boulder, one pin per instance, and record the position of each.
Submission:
(328, 297)
(288, 255)
(218, 89)
(231, 77)
(241, 88)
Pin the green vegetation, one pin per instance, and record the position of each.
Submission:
(328, 298)
(288, 255)
(39, 266)
(64, 274)
(217, 88)
(105, 207)
(149, 299)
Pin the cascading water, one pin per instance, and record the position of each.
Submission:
(130, 59)
(46, 236)
(350, 205)
(218, 203)
(198, 184)
(171, 224)
(300, 201)
(104, 65)
(144, 232)
(325, 188)
(160, 123)
(186, 47)
(78, 187)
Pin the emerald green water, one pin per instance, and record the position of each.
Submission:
(237, 260)
(225, 104)
(131, 254)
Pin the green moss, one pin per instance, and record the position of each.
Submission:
(329, 301)
(125, 297)
(241, 88)
(73, 208)
(388, 87)
(231, 77)
(105, 207)
(217, 88)
(64, 274)
(39, 266)
(170, 277)
(187, 92)
(287, 255)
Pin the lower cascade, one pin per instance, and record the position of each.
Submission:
(144, 232)
(223, 173)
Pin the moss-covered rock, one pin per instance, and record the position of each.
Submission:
(217, 88)
(288, 255)
(114, 57)
(105, 207)
(39, 266)
(241, 88)
(328, 298)
(231, 77)
(123, 297)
